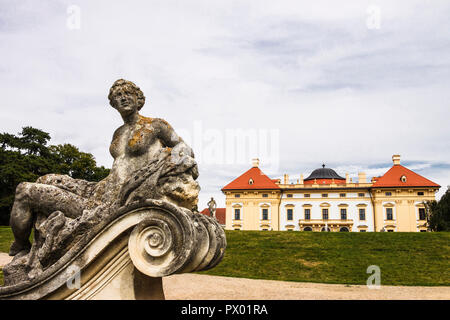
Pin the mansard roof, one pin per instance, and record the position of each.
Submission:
(254, 178)
(394, 178)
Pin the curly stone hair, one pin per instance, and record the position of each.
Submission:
(129, 87)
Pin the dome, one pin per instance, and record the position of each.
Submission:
(324, 173)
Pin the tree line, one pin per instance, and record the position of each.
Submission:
(26, 156)
(439, 213)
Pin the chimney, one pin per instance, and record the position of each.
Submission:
(255, 163)
(347, 178)
(362, 177)
(396, 159)
(286, 179)
(301, 178)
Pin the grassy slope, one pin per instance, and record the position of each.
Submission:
(404, 258)
(6, 238)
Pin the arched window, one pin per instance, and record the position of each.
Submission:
(344, 229)
(325, 229)
(307, 229)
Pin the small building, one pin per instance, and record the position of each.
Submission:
(326, 201)
(220, 215)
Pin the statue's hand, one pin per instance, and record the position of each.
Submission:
(182, 154)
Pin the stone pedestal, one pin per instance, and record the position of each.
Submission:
(126, 256)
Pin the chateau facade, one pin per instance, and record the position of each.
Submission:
(326, 201)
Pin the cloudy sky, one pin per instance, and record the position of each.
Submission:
(295, 83)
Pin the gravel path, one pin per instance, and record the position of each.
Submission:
(202, 287)
(4, 259)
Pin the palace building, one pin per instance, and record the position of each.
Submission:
(326, 201)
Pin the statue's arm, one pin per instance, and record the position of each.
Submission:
(171, 139)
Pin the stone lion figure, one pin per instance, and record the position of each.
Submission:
(150, 162)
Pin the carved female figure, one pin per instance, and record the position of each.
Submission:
(150, 161)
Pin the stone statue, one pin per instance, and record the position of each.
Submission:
(212, 207)
(150, 161)
(154, 171)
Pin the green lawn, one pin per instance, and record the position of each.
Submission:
(404, 258)
(6, 238)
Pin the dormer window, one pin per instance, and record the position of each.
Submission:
(403, 179)
(250, 181)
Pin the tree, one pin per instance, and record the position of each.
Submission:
(26, 156)
(439, 213)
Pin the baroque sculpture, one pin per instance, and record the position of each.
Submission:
(141, 219)
(212, 205)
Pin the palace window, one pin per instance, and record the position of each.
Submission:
(307, 229)
(324, 195)
(342, 195)
(389, 215)
(307, 195)
(237, 214)
(361, 195)
(420, 193)
(362, 230)
(250, 181)
(265, 214)
(362, 214)
(265, 195)
(289, 214)
(307, 214)
(343, 229)
(390, 230)
(423, 230)
(237, 195)
(343, 214)
(325, 214)
(289, 195)
(422, 215)
(388, 194)
(264, 229)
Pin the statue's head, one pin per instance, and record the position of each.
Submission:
(125, 96)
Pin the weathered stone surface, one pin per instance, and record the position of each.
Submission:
(147, 200)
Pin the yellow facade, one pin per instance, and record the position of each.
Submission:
(405, 204)
(250, 205)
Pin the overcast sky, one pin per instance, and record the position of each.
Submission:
(345, 83)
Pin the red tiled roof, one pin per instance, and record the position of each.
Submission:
(392, 178)
(220, 214)
(260, 181)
